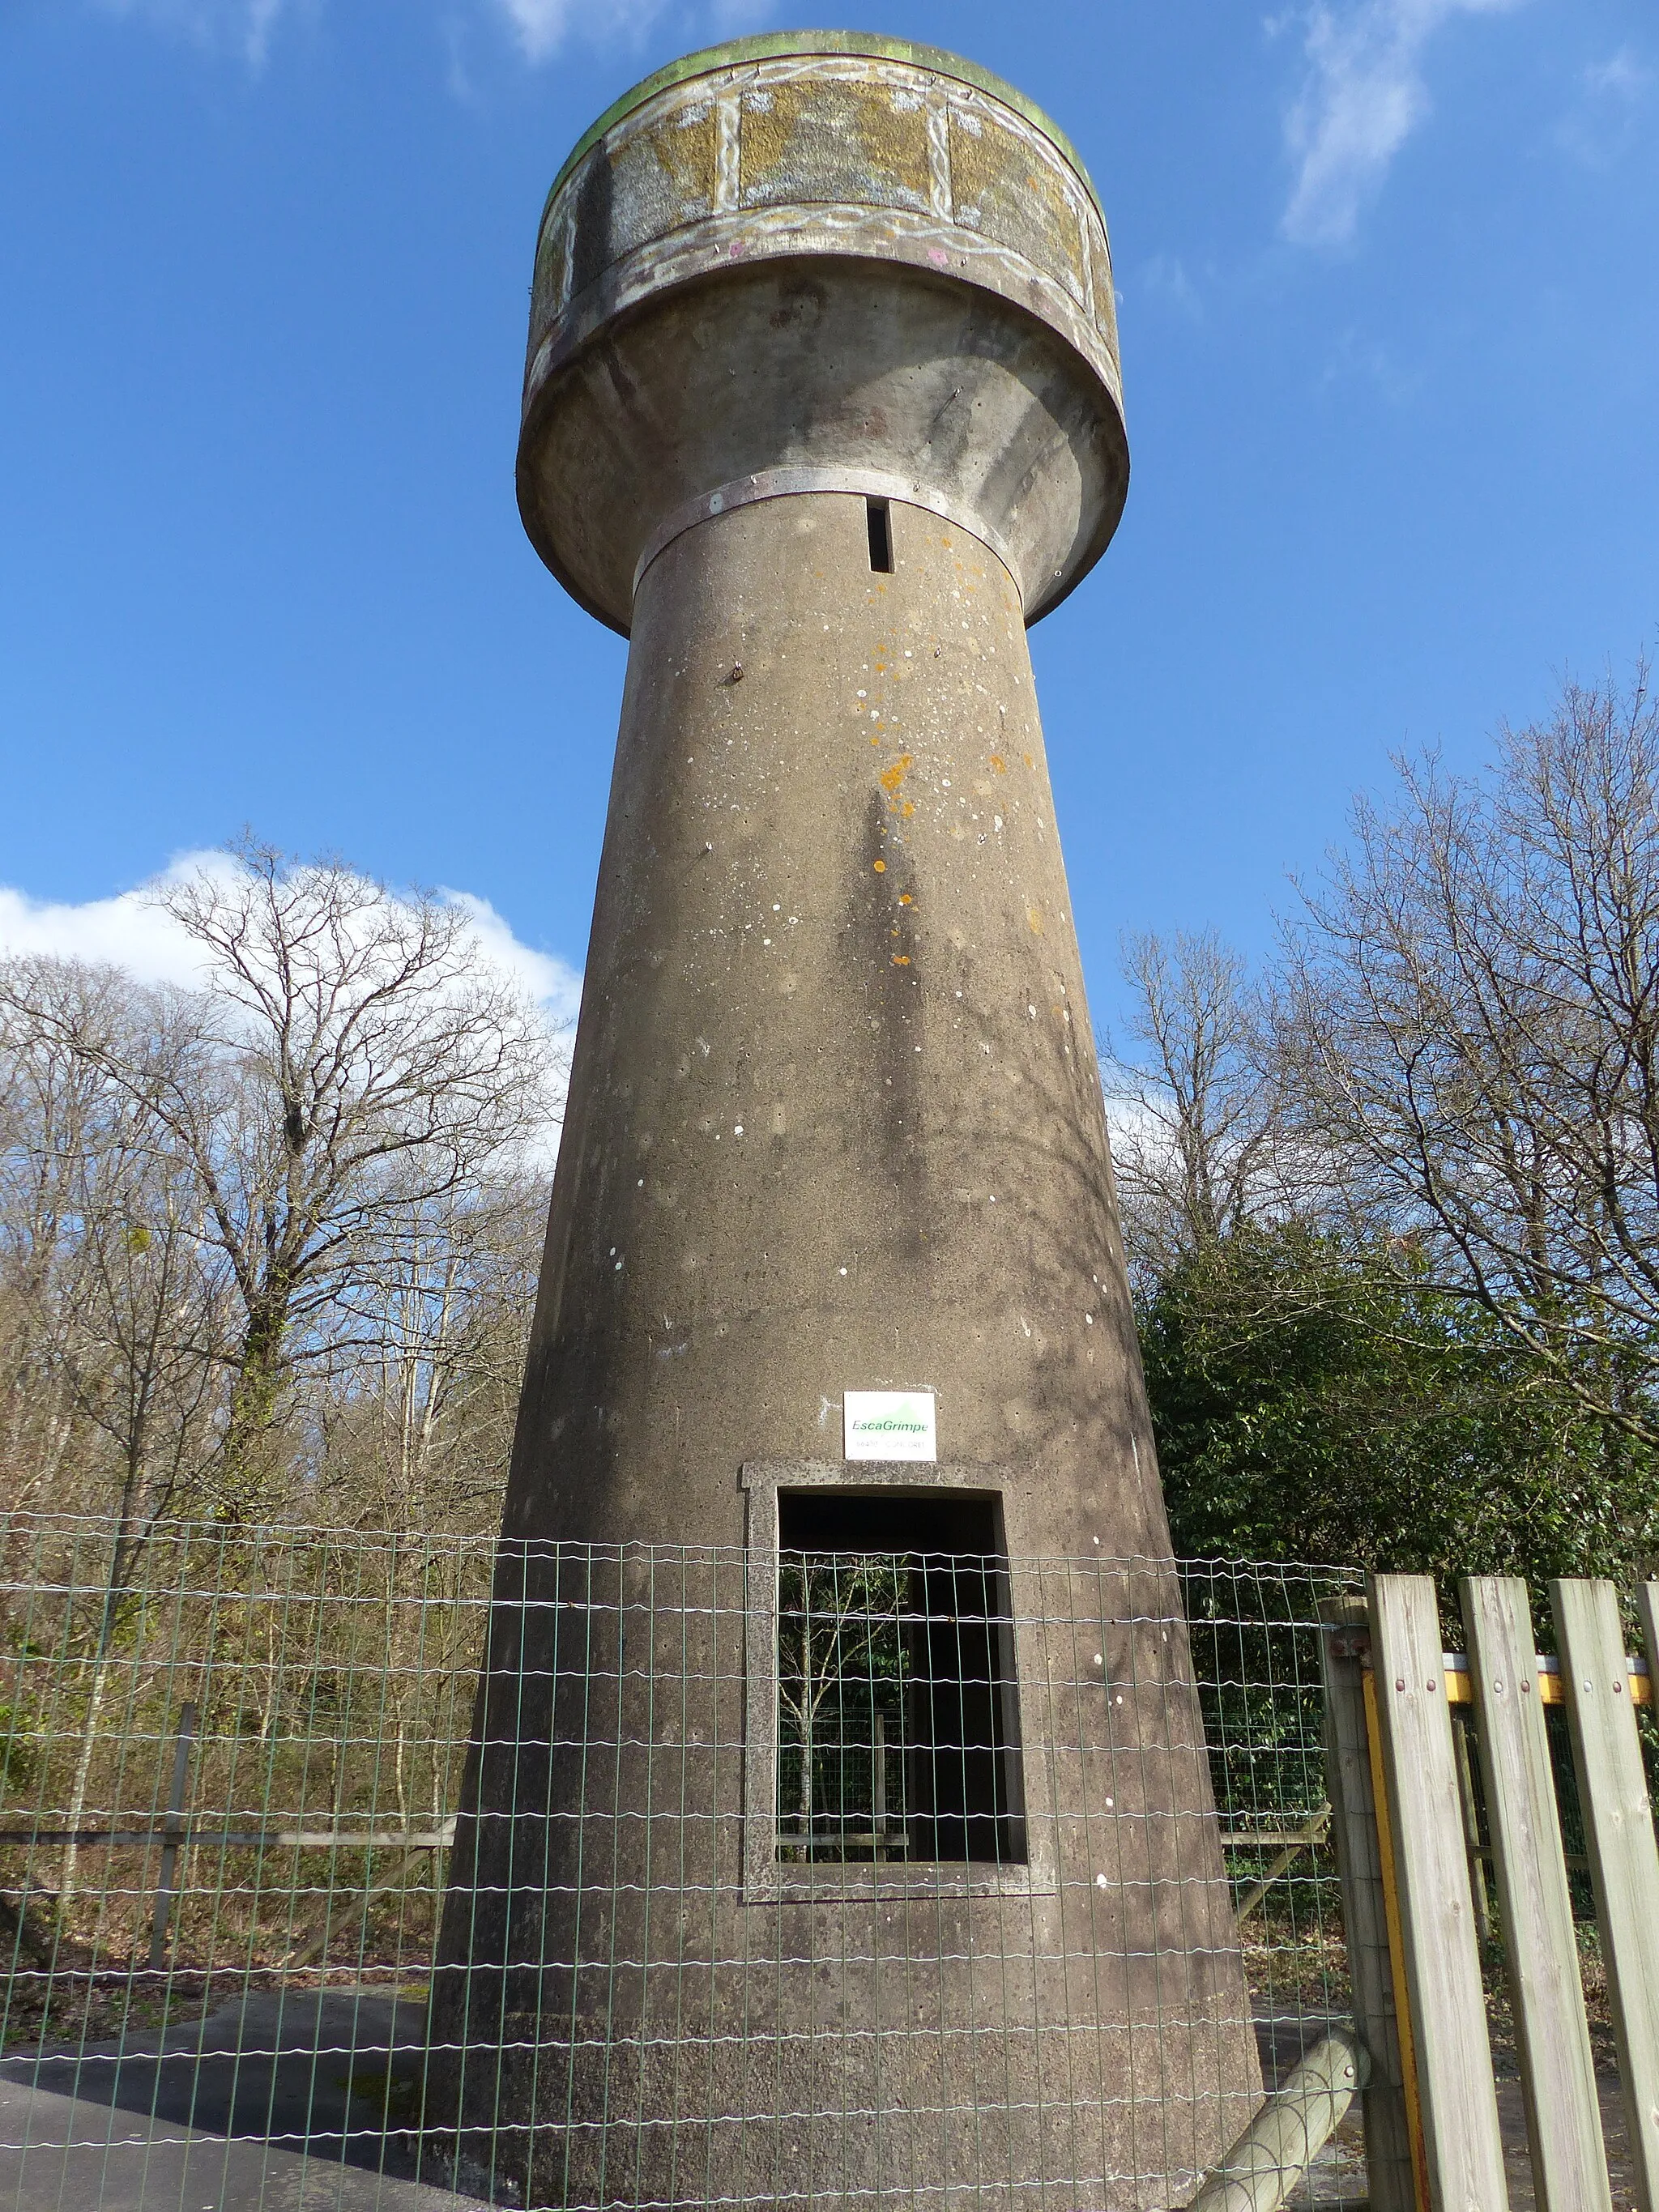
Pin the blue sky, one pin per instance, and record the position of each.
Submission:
(1390, 314)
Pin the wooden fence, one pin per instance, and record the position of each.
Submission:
(1413, 1862)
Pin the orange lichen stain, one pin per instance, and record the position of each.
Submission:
(905, 898)
(998, 764)
(901, 960)
(1028, 761)
(1033, 916)
(892, 777)
(906, 808)
(880, 867)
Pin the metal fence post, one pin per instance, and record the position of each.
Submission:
(174, 1832)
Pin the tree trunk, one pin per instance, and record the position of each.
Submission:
(253, 1399)
(120, 1567)
(78, 1787)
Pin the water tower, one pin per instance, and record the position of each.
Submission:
(822, 411)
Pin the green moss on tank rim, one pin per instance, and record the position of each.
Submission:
(768, 45)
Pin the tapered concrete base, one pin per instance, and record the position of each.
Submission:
(634, 2013)
(835, 1122)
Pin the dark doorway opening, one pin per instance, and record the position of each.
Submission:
(881, 536)
(898, 1735)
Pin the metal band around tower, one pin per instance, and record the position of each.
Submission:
(786, 484)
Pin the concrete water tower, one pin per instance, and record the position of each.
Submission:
(822, 410)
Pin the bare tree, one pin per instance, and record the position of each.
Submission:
(102, 1243)
(1473, 1011)
(51, 1105)
(840, 1632)
(420, 1399)
(347, 1063)
(1198, 1115)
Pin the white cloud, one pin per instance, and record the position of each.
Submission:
(1621, 76)
(130, 931)
(540, 27)
(124, 931)
(1362, 97)
(1166, 278)
(242, 26)
(549, 980)
(1352, 356)
(732, 18)
(1602, 123)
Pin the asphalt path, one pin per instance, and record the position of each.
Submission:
(298, 2098)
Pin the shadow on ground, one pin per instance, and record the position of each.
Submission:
(306, 2101)
(297, 2098)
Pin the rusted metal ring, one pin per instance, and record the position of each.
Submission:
(786, 484)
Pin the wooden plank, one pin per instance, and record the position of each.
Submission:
(1396, 1944)
(1307, 1838)
(1613, 1793)
(1456, 2086)
(1365, 1910)
(1278, 1839)
(1557, 2067)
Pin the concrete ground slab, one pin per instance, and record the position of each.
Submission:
(297, 2098)
(65, 2154)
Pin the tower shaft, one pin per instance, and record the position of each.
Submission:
(835, 1118)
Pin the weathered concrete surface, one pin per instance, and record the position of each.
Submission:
(859, 253)
(835, 1116)
(834, 1121)
(976, 409)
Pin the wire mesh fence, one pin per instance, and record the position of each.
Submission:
(810, 1876)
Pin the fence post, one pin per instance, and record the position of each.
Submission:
(174, 1833)
(1461, 1734)
(1365, 1907)
(1557, 2067)
(1456, 2083)
(1647, 1600)
(1612, 1792)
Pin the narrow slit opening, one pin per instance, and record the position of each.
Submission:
(881, 536)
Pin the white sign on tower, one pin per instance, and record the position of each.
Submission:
(891, 1424)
